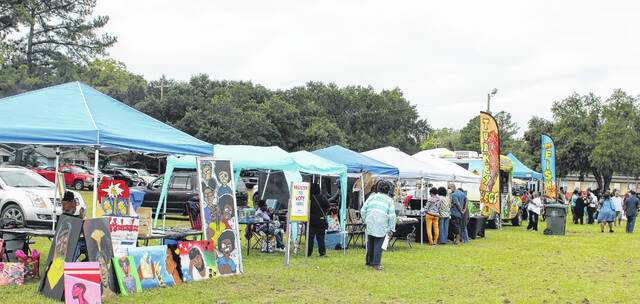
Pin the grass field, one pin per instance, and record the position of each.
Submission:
(508, 266)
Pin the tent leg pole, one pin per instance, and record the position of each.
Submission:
(55, 193)
(265, 186)
(95, 181)
(421, 210)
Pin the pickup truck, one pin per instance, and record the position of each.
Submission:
(73, 176)
(183, 187)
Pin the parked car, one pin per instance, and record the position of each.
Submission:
(183, 187)
(101, 175)
(74, 176)
(142, 173)
(27, 197)
(124, 175)
(249, 177)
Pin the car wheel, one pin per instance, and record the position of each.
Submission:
(517, 221)
(14, 212)
(78, 185)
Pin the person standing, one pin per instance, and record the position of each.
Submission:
(579, 208)
(574, 197)
(432, 209)
(617, 203)
(560, 196)
(534, 211)
(318, 220)
(591, 206)
(379, 216)
(445, 215)
(607, 213)
(630, 207)
(457, 210)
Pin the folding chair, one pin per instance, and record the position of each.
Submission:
(404, 231)
(194, 217)
(354, 227)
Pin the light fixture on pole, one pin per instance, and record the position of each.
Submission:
(491, 94)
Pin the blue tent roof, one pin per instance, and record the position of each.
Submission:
(77, 114)
(520, 170)
(356, 162)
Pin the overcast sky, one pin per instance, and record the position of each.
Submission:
(444, 55)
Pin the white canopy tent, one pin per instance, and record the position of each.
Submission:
(410, 167)
(460, 174)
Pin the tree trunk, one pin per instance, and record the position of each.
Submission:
(30, 46)
(598, 176)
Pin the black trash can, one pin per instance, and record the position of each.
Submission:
(556, 218)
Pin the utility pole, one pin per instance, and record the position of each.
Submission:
(162, 86)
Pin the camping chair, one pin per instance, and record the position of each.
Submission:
(193, 211)
(404, 231)
(354, 227)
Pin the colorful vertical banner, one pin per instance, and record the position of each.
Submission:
(548, 162)
(219, 211)
(490, 151)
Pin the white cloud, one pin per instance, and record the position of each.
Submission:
(445, 56)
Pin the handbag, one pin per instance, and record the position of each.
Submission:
(325, 223)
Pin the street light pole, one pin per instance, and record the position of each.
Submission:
(491, 94)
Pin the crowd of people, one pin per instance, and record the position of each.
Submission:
(588, 207)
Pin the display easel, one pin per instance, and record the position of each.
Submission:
(299, 210)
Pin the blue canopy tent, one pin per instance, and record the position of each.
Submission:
(76, 114)
(242, 157)
(356, 162)
(520, 170)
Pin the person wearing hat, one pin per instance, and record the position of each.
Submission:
(69, 205)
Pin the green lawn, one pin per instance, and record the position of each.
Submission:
(508, 266)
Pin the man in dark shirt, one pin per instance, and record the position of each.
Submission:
(630, 208)
(579, 208)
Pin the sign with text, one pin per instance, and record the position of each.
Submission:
(490, 150)
(124, 233)
(548, 162)
(299, 206)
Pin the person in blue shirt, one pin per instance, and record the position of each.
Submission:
(458, 203)
(630, 208)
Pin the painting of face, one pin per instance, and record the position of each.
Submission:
(63, 248)
(227, 247)
(128, 280)
(62, 242)
(223, 177)
(209, 196)
(206, 172)
(219, 212)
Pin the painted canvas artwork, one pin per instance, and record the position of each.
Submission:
(127, 275)
(100, 249)
(113, 198)
(198, 260)
(11, 273)
(62, 250)
(82, 283)
(219, 212)
(152, 266)
(124, 233)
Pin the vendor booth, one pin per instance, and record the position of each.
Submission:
(521, 171)
(356, 162)
(409, 167)
(460, 174)
(75, 114)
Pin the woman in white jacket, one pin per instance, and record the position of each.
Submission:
(534, 211)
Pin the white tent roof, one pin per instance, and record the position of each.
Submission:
(460, 174)
(438, 152)
(408, 166)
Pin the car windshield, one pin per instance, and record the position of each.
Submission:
(78, 170)
(24, 179)
(143, 172)
(126, 173)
